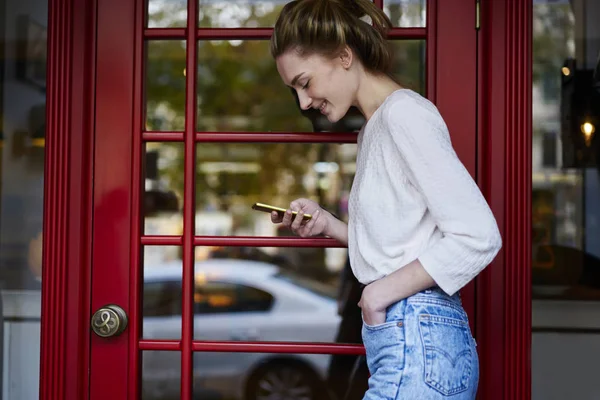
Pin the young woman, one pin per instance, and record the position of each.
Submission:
(419, 228)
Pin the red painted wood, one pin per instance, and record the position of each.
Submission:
(254, 137)
(67, 202)
(431, 49)
(56, 204)
(80, 207)
(254, 241)
(275, 347)
(137, 188)
(112, 192)
(256, 33)
(504, 290)
(189, 207)
(454, 86)
(255, 347)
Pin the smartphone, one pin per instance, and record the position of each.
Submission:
(269, 209)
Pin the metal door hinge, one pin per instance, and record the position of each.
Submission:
(477, 15)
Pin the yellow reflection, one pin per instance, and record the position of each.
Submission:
(40, 142)
(220, 300)
(588, 129)
(566, 71)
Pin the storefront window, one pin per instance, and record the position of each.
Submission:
(23, 31)
(566, 199)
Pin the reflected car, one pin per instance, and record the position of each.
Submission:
(238, 300)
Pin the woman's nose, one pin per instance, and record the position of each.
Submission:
(305, 101)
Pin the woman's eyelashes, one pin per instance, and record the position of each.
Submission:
(306, 85)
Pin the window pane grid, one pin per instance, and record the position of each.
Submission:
(190, 136)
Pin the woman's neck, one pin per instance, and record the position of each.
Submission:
(372, 92)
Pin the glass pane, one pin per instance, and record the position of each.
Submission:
(409, 64)
(163, 194)
(233, 176)
(253, 14)
(23, 32)
(161, 299)
(275, 294)
(239, 14)
(166, 14)
(161, 375)
(165, 85)
(565, 199)
(406, 13)
(239, 88)
(277, 376)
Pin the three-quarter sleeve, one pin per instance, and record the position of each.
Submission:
(470, 236)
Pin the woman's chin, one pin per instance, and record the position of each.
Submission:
(332, 118)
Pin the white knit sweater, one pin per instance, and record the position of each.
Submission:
(412, 198)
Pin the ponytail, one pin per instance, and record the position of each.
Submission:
(326, 26)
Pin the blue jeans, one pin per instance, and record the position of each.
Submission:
(423, 351)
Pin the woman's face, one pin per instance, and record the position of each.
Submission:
(325, 84)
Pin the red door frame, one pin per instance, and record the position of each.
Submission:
(504, 148)
(503, 290)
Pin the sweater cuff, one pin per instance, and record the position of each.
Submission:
(438, 273)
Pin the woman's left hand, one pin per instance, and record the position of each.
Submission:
(373, 309)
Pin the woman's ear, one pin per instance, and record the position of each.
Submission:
(346, 57)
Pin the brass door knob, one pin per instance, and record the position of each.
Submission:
(109, 321)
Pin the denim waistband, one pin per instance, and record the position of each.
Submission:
(436, 293)
(432, 295)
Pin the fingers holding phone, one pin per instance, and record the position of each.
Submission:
(304, 217)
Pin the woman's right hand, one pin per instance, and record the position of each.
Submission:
(317, 225)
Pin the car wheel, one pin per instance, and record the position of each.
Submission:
(285, 381)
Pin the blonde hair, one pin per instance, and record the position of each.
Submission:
(325, 27)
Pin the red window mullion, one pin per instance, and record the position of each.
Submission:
(253, 137)
(242, 241)
(430, 59)
(256, 347)
(136, 196)
(189, 205)
(258, 33)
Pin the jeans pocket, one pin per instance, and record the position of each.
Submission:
(447, 353)
(384, 346)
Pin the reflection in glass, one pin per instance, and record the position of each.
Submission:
(239, 88)
(165, 85)
(23, 60)
(233, 176)
(406, 13)
(239, 14)
(166, 14)
(263, 13)
(161, 300)
(269, 376)
(161, 375)
(254, 294)
(565, 200)
(163, 194)
(284, 294)
(566, 188)
(409, 64)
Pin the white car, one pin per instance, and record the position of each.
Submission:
(238, 300)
